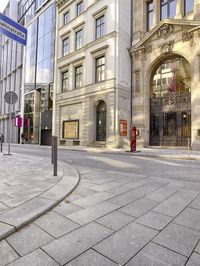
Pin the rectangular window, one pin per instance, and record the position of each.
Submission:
(65, 46)
(79, 8)
(168, 9)
(71, 129)
(149, 15)
(100, 26)
(78, 77)
(65, 81)
(79, 39)
(100, 69)
(188, 6)
(66, 18)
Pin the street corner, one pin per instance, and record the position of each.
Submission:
(28, 189)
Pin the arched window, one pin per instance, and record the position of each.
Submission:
(171, 76)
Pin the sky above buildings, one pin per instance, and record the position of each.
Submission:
(3, 4)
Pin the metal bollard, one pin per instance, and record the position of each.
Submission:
(1, 144)
(52, 148)
(188, 147)
(55, 156)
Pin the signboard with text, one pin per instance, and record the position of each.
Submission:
(123, 127)
(12, 29)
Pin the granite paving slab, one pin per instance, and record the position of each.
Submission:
(155, 255)
(73, 244)
(172, 206)
(125, 243)
(91, 258)
(65, 208)
(139, 207)
(92, 213)
(55, 224)
(195, 203)
(36, 258)
(197, 249)
(190, 218)
(194, 260)
(154, 220)
(93, 199)
(115, 220)
(178, 238)
(29, 239)
(7, 253)
(32, 189)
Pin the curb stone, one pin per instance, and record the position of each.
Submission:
(16, 218)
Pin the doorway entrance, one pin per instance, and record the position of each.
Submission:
(170, 103)
(101, 121)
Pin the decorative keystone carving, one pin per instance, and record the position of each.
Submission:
(188, 36)
(167, 47)
(165, 31)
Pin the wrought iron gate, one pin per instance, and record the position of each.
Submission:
(170, 120)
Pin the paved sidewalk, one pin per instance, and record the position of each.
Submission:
(113, 218)
(29, 189)
(169, 153)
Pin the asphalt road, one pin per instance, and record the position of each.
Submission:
(149, 166)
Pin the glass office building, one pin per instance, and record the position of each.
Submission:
(11, 60)
(38, 72)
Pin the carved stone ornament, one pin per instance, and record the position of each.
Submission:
(165, 31)
(148, 48)
(60, 3)
(71, 113)
(167, 47)
(188, 36)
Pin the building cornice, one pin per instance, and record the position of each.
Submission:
(171, 23)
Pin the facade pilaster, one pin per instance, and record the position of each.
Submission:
(156, 12)
(179, 9)
(196, 9)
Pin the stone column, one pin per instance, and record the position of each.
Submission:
(156, 12)
(196, 9)
(179, 9)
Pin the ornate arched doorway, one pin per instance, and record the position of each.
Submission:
(170, 103)
(101, 121)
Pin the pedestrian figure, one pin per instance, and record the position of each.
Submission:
(22, 138)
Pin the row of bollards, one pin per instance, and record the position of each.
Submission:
(54, 154)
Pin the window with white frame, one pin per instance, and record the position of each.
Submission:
(66, 17)
(79, 39)
(65, 81)
(65, 46)
(79, 8)
(100, 69)
(78, 76)
(100, 26)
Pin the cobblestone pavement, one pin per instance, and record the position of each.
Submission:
(113, 218)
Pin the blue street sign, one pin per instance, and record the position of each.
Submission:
(12, 29)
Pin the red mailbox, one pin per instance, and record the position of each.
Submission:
(133, 139)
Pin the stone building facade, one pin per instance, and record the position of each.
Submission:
(166, 72)
(93, 66)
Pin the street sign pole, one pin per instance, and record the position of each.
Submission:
(10, 98)
(10, 125)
